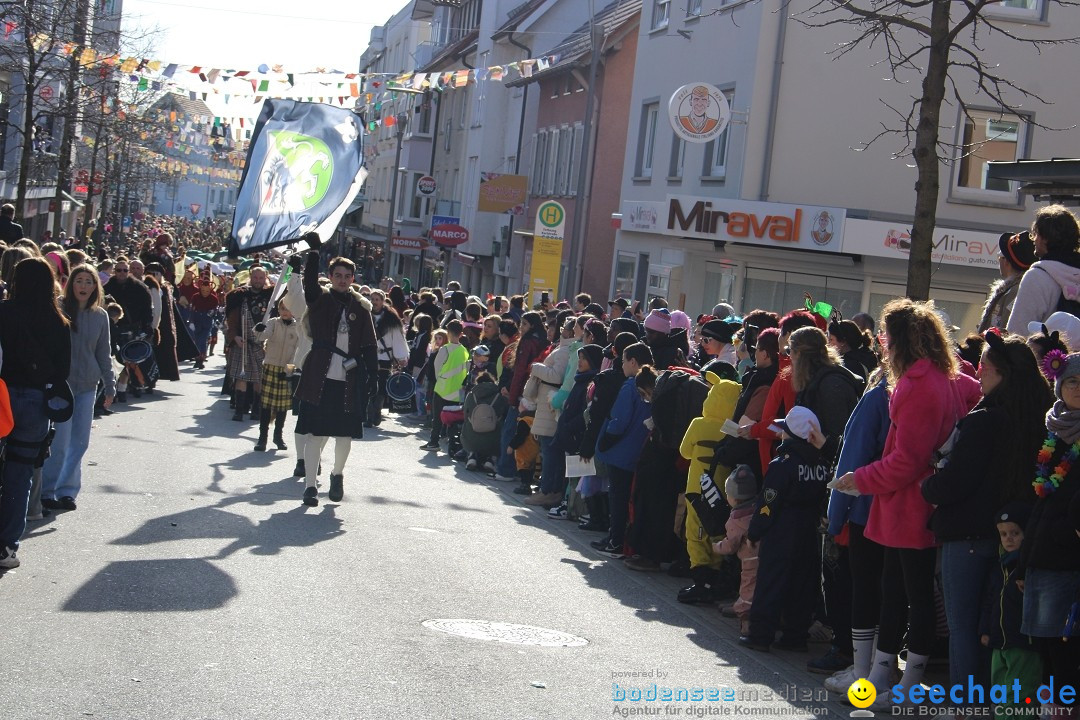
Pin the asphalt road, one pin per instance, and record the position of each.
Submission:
(192, 583)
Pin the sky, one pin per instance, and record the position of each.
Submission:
(243, 34)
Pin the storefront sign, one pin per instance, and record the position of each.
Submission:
(425, 186)
(803, 227)
(698, 112)
(893, 240)
(449, 235)
(546, 264)
(407, 245)
(503, 193)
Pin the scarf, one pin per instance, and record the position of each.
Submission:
(1063, 422)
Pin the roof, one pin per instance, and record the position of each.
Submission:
(1057, 179)
(186, 105)
(578, 44)
(516, 16)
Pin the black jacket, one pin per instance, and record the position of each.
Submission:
(571, 425)
(1003, 607)
(430, 309)
(607, 385)
(860, 361)
(418, 351)
(10, 231)
(833, 393)
(134, 297)
(35, 355)
(1050, 540)
(794, 488)
(966, 490)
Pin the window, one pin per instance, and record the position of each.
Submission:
(463, 108)
(446, 135)
(550, 170)
(416, 206)
(678, 155)
(625, 274)
(1026, 9)
(478, 92)
(562, 162)
(716, 152)
(647, 140)
(539, 161)
(660, 13)
(693, 8)
(987, 136)
(424, 116)
(772, 288)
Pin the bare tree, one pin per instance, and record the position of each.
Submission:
(942, 43)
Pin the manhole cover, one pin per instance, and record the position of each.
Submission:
(506, 633)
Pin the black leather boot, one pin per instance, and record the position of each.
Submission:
(241, 406)
(279, 427)
(264, 429)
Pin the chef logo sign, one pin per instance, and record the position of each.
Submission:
(698, 112)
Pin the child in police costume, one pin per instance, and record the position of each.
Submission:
(785, 523)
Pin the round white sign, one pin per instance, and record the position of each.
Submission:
(425, 186)
(698, 112)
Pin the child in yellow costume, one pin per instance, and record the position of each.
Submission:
(697, 446)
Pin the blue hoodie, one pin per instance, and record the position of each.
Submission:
(864, 440)
(627, 422)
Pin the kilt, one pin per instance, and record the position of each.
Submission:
(245, 362)
(276, 389)
(328, 418)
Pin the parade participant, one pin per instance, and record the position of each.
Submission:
(280, 337)
(91, 363)
(245, 308)
(133, 296)
(37, 358)
(201, 309)
(340, 372)
(393, 350)
(1051, 283)
(168, 333)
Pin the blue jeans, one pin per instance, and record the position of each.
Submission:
(62, 474)
(421, 400)
(31, 427)
(965, 567)
(203, 323)
(506, 465)
(554, 471)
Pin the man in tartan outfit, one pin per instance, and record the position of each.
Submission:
(244, 309)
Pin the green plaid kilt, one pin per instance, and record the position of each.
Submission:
(276, 389)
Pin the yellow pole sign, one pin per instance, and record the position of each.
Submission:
(548, 233)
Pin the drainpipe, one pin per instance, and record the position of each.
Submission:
(520, 137)
(585, 164)
(774, 101)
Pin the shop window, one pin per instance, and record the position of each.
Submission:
(781, 291)
(987, 136)
(959, 309)
(719, 285)
(625, 274)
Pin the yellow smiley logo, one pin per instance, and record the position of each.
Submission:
(861, 693)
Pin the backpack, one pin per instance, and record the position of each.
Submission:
(482, 418)
(710, 505)
(677, 399)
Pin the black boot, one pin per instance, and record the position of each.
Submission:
(253, 402)
(598, 521)
(704, 588)
(264, 429)
(299, 470)
(241, 406)
(279, 426)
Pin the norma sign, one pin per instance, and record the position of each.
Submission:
(407, 245)
(425, 186)
(449, 235)
(698, 112)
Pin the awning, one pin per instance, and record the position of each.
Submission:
(69, 197)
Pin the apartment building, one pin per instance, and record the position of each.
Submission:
(787, 200)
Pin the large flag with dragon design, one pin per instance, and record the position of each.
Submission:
(304, 167)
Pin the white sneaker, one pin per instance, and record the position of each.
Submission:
(840, 682)
(489, 466)
(8, 559)
(505, 478)
(471, 464)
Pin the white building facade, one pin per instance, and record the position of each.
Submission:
(782, 203)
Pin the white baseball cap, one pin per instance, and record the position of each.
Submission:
(1066, 325)
(799, 422)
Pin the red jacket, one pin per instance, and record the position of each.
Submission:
(924, 408)
(780, 399)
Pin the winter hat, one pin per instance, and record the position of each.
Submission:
(741, 483)
(679, 319)
(722, 310)
(1017, 512)
(718, 330)
(1065, 324)
(1018, 249)
(1072, 367)
(481, 350)
(594, 354)
(801, 420)
(659, 321)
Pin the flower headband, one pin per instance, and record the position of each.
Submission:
(1053, 364)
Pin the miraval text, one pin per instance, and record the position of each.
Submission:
(703, 219)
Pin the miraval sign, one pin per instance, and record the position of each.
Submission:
(741, 221)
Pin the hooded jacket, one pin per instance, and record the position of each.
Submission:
(545, 380)
(626, 425)
(571, 425)
(699, 442)
(1041, 289)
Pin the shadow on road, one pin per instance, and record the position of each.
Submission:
(175, 585)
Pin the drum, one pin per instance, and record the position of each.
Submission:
(136, 352)
(401, 389)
